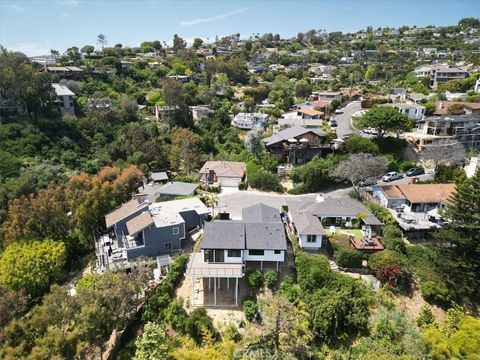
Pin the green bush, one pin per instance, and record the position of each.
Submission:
(197, 323)
(347, 257)
(381, 214)
(393, 239)
(359, 144)
(436, 292)
(396, 244)
(271, 279)
(254, 278)
(261, 179)
(289, 289)
(405, 165)
(242, 186)
(158, 302)
(449, 174)
(250, 308)
(185, 179)
(313, 271)
(425, 317)
(390, 268)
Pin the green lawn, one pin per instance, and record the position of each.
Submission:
(358, 233)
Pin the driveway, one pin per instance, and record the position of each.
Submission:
(344, 120)
(233, 203)
(406, 179)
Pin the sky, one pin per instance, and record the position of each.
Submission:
(36, 26)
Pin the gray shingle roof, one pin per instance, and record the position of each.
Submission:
(177, 189)
(307, 224)
(265, 236)
(260, 213)
(224, 234)
(260, 229)
(159, 176)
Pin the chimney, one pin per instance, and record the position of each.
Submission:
(319, 198)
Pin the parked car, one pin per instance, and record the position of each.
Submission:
(415, 171)
(339, 111)
(333, 123)
(367, 182)
(371, 131)
(392, 175)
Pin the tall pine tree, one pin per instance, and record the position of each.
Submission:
(459, 241)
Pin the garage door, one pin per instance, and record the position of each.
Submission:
(229, 182)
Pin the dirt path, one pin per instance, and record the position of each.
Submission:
(411, 306)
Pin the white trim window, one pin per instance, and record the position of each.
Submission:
(311, 238)
(167, 246)
(176, 230)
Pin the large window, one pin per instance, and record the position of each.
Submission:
(168, 246)
(234, 253)
(256, 252)
(277, 252)
(311, 238)
(208, 255)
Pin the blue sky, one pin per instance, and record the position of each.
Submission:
(36, 26)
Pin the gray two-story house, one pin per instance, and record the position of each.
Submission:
(139, 228)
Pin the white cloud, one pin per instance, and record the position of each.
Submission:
(65, 15)
(31, 49)
(213, 18)
(16, 8)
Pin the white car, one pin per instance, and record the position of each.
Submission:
(371, 131)
(359, 113)
(392, 175)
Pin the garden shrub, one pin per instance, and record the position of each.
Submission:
(289, 289)
(436, 292)
(261, 179)
(254, 278)
(197, 323)
(390, 268)
(347, 257)
(250, 308)
(425, 318)
(271, 278)
(381, 214)
(158, 302)
(405, 165)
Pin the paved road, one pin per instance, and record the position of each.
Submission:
(406, 179)
(344, 126)
(234, 202)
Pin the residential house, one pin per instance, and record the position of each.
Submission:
(250, 121)
(298, 145)
(200, 111)
(226, 173)
(430, 130)
(176, 188)
(455, 96)
(415, 206)
(440, 73)
(230, 247)
(65, 72)
(308, 220)
(307, 117)
(326, 95)
(139, 228)
(412, 110)
(470, 108)
(416, 97)
(64, 99)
